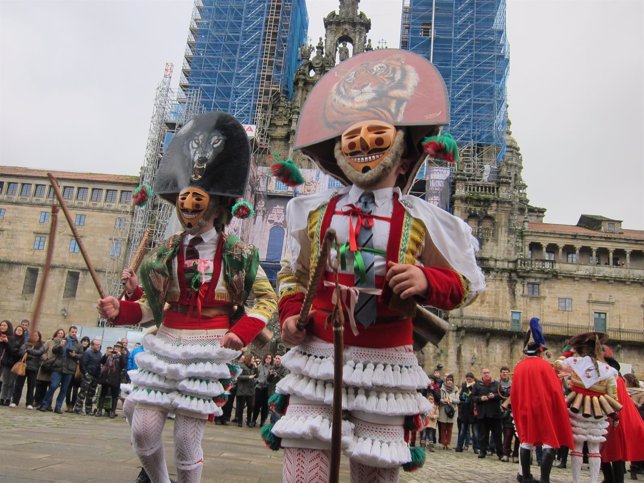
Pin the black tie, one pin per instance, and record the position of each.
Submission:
(191, 248)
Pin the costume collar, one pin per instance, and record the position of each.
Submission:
(382, 195)
(208, 237)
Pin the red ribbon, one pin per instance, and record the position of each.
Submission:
(362, 220)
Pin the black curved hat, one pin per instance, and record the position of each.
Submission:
(210, 152)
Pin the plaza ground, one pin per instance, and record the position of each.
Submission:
(38, 447)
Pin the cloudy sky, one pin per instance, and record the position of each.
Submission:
(78, 79)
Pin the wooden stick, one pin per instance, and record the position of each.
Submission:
(68, 216)
(138, 257)
(45, 272)
(320, 266)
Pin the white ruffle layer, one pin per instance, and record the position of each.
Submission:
(201, 388)
(196, 405)
(150, 380)
(174, 401)
(365, 374)
(388, 403)
(154, 398)
(183, 370)
(311, 427)
(381, 454)
(588, 429)
(181, 351)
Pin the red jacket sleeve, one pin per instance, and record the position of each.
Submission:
(289, 305)
(446, 289)
(129, 313)
(247, 328)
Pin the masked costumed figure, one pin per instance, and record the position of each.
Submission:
(363, 124)
(195, 288)
(538, 406)
(592, 400)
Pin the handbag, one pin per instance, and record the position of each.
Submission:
(77, 373)
(20, 367)
(449, 411)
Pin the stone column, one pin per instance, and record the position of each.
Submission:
(610, 258)
(559, 253)
(594, 256)
(577, 255)
(628, 258)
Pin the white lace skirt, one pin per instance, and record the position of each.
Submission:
(185, 371)
(380, 389)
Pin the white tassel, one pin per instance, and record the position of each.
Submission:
(379, 375)
(319, 391)
(375, 450)
(367, 375)
(389, 377)
(328, 393)
(360, 403)
(326, 369)
(406, 379)
(351, 397)
(307, 371)
(347, 371)
(392, 407)
(345, 406)
(315, 367)
(372, 401)
(363, 447)
(309, 391)
(356, 377)
(381, 408)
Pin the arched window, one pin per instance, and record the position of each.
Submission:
(275, 242)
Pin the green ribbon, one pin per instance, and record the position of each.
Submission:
(358, 261)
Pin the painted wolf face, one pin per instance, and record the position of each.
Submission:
(204, 148)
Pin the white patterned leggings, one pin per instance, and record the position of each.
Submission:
(147, 428)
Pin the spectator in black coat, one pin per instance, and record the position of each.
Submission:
(468, 429)
(34, 351)
(90, 367)
(112, 364)
(10, 356)
(485, 395)
(245, 391)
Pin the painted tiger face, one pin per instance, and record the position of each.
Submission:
(374, 90)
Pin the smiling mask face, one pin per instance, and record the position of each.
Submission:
(368, 151)
(192, 208)
(365, 144)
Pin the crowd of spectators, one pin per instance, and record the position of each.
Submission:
(61, 370)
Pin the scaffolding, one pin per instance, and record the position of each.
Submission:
(466, 41)
(238, 51)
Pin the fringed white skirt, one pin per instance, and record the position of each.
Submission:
(184, 371)
(380, 389)
(588, 429)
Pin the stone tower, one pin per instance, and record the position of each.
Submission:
(345, 35)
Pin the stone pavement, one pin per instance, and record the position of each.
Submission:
(40, 447)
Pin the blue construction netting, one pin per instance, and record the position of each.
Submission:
(466, 40)
(225, 50)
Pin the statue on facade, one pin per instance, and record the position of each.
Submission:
(343, 51)
(368, 47)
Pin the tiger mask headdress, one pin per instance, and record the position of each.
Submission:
(374, 90)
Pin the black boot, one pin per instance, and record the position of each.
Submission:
(619, 468)
(143, 477)
(546, 464)
(525, 456)
(607, 471)
(563, 457)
